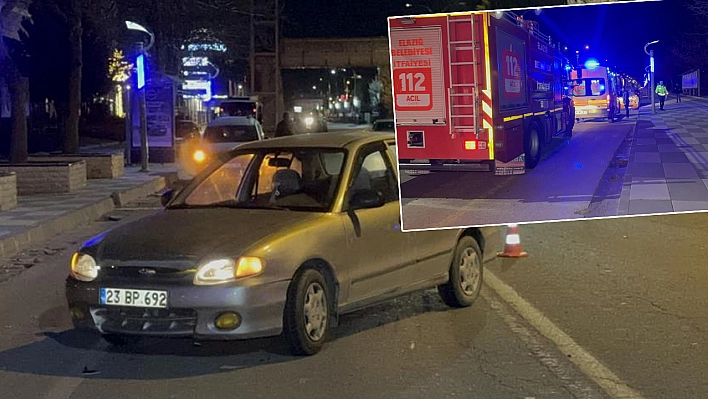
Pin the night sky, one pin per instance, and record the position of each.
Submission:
(614, 31)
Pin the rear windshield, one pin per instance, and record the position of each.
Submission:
(589, 87)
(239, 108)
(384, 126)
(231, 134)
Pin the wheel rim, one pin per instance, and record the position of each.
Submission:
(315, 310)
(469, 271)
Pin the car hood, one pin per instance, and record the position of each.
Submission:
(183, 237)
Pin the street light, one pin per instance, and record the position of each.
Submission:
(140, 86)
(137, 27)
(650, 53)
(409, 5)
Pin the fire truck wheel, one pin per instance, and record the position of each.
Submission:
(466, 273)
(532, 145)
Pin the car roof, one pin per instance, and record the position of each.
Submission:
(326, 140)
(234, 121)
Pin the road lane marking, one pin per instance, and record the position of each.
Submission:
(588, 364)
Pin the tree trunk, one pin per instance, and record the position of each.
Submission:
(19, 91)
(71, 136)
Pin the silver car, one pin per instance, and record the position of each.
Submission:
(277, 237)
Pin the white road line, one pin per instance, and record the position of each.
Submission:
(589, 365)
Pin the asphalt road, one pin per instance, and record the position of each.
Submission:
(561, 187)
(611, 308)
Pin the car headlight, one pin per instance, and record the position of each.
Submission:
(84, 267)
(221, 271)
(199, 156)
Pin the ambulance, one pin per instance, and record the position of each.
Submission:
(476, 91)
(597, 92)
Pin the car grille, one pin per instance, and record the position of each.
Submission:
(142, 273)
(145, 320)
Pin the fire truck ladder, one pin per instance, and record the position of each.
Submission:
(456, 47)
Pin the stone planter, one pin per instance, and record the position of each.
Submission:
(47, 177)
(8, 191)
(98, 166)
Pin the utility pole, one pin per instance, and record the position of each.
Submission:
(265, 59)
(651, 73)
(144, 166)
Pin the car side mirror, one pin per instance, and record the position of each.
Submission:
(366, 199)
(167, 196)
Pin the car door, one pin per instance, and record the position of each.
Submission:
(432, 248)
(379, 252)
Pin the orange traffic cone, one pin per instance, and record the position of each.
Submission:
(512, 246)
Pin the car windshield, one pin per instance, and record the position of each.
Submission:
(231, 134)
(299, 179)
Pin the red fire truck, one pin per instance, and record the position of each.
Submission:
(476, 88)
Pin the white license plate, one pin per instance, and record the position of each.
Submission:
(581, 112)
(131, 297)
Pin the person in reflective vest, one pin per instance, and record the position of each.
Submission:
(662, 92)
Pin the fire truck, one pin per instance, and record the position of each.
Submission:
(476, 88)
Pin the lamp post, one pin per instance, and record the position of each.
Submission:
(651, 73)
(140, 87)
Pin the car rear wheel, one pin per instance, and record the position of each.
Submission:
(121, 340)
(466, 275)
(308, 312)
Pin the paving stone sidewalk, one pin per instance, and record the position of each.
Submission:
(668, 162)
(38, 217)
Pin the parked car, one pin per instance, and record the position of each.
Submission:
(277, 237)
(221, 135)
(186, 130)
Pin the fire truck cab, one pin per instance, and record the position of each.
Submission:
(476, 88)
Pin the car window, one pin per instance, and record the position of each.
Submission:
(303, 179)
(375, 173)
(266, 172)
(231, 134)
(392, 152)
(222, 185)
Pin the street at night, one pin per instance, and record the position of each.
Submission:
(350, 199)
(636, 166)
(591, 286)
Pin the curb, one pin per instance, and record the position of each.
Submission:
(13, 245)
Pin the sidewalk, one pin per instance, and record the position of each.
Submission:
(39, 217)
(668, 162)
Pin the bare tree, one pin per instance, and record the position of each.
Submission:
(12, 12)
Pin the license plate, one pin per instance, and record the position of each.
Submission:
(581, 112)
(131, 297)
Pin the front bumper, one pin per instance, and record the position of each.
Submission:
(191, 310)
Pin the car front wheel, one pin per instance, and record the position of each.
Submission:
(308, 312)
(466, 273)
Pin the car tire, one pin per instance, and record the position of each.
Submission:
(121, 340)
(466, 275)
(308, 313)
(532, 145)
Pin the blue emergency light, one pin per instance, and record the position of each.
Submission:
(140, 66)
(591, 64)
